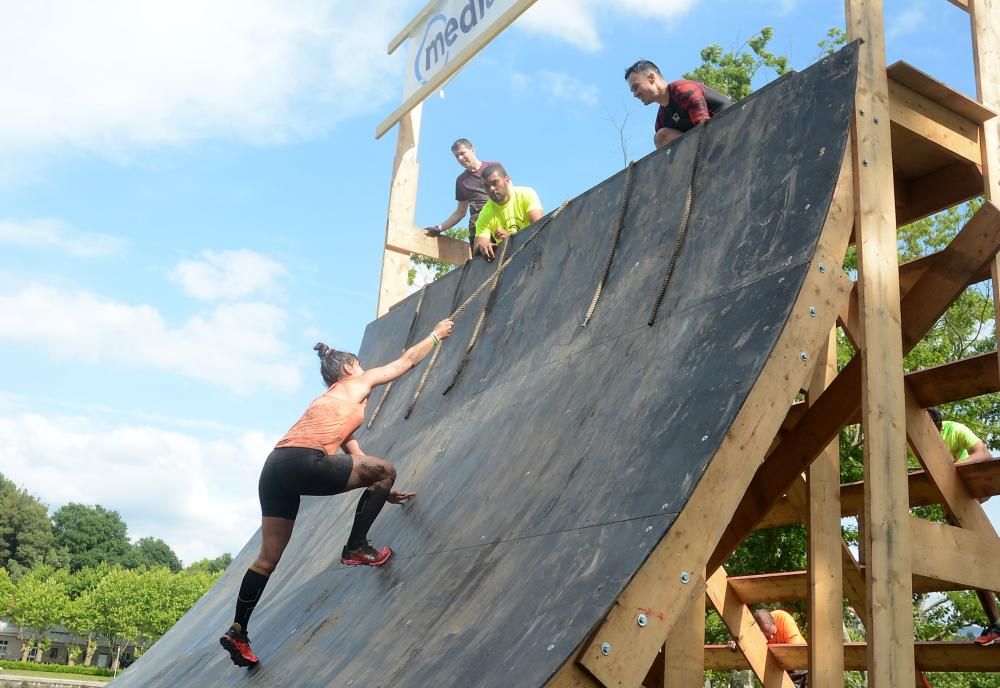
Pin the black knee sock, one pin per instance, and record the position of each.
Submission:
(369, 506)
(250, 592)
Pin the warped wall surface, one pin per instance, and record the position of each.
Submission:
(563, 454)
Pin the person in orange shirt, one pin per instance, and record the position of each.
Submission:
(780, 629)
(305, 462)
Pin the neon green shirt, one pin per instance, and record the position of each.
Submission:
(511, 216)
(959, 438)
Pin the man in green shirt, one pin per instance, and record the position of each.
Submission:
(509, 209)
(962, 442)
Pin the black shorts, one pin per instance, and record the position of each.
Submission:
(291, 472)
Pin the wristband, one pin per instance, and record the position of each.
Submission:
(434, 338)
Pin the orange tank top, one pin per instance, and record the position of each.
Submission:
(325, 424)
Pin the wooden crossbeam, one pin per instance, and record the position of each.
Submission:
(969, 253)
(950, 132)
(750, 640)
(956, 555)
(793, 586)
(930, 656)
(981, 478)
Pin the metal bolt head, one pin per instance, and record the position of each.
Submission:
(605, 649)
(804, 356)
(822, 267)
(685, 577)
(865, 163)
(812, 311)
(861, 112)
(875, 119)
(642, 620)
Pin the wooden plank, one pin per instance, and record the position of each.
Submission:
(939, 465)
(658, 585)
(943, 188)
(402, 210)
(684, 653)
(826, 588)
(412, 24)
(793, 586)
(955, 555)
(949, 131)
(455, 63)
(971, 251)
(742, 625)
(886, 537)
(930, 656)
(984, 16)
(956, 381)
(413, 240)
(964, 4)
(909, 76)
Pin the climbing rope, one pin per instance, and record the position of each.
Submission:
(619, 224)
(493, 280)
(406, 345)
(682, 233)
(482, 318)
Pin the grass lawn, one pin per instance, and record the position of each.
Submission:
(53, 674)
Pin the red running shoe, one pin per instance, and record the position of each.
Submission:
(238, 646)
(989, 636)
(365, 555)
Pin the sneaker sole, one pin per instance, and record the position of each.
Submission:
(234, 654)
(375, 562)
(988, 643)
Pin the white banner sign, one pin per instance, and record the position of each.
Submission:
(443, 37)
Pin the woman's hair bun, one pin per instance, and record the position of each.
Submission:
(321, 350)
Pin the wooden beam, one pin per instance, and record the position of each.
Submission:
(940, 93)
(684, 653)
(826, 587)
(930, 656)
(659, 584)
(938, 190)
(886, 537)
(402, 210)
(955, 555)
(970, 251)
(413, 240)
(742, 625)
(793, 586)
(952, 133)
(964, 4)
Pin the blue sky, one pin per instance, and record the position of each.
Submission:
(191, 196)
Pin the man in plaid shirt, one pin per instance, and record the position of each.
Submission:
(683, 103)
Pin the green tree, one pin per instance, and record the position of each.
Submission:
(150, 553)
(217, 565)
(732, 72)
(118, 607)
(91, 535)
(39, 604)
(25, 531)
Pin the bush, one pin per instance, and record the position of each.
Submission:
(55, 668)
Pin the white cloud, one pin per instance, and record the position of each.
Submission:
(46, 233)
(905, 22)
(227, 275)
(556, 87)
(111, 74)
(236, 345)
(199, 496)
(576, 21)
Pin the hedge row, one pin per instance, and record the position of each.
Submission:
(55, 668)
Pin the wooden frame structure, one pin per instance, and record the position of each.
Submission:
(917, 147)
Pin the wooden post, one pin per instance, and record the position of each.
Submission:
(826, 587)
(887, 536)
(402, 210)
(984, 16)
(684, 653)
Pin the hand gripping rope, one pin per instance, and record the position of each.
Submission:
(619, 224)
(682, 233)
(413, 325)
(492, 281)
(406, 345)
